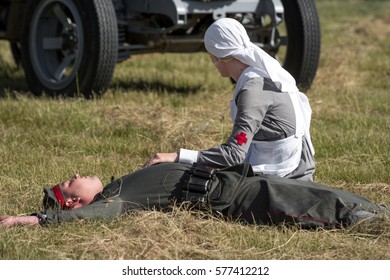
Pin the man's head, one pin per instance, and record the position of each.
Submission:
(73, 193)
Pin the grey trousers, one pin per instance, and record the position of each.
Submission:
(239, 194)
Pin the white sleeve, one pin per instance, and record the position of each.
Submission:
(188, 156)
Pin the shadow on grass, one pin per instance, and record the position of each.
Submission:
(8, 89)
(12, 80)
(10, 85)
(160, 87)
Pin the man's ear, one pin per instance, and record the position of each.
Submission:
(72, 202)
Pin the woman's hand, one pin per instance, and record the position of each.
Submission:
(10, 221)
(162, 157)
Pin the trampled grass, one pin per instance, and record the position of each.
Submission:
(161, 102)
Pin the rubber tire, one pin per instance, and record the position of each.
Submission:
(304, 41)
(96, 58)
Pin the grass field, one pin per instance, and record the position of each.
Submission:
(161, 102)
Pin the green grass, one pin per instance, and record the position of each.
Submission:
(161, 102)
(350, 95)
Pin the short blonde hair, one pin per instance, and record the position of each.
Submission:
(225, 59)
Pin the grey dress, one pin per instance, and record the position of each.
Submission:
(264, 113)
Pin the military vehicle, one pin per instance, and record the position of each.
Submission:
(72, 46)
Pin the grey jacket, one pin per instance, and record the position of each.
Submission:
(235, 192)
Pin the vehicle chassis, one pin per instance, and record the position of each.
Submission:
(66, 46)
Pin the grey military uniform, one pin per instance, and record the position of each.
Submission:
(235, 192)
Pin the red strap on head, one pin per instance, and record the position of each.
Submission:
(60, 197)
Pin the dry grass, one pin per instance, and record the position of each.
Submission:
(184, 235)
(161, 102)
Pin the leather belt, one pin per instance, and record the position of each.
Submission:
(196, 183)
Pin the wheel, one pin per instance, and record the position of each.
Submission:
(295, 42)
(304, 41)
(69, 47)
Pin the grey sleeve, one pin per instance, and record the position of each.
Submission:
(252, 106)
(99, 210)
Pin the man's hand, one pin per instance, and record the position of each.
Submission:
(162, 157)
(10, 221)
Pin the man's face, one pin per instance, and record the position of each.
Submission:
(80, 191)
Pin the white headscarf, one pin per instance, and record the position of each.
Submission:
(228, 37)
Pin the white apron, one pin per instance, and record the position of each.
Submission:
(279, 157)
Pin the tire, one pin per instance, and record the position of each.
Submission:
(295, 42)
(303, 41)
(69, 47)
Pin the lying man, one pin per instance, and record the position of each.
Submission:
(235, 192)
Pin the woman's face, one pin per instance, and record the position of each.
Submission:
(220, 65)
